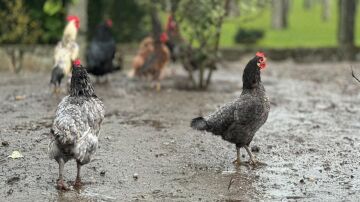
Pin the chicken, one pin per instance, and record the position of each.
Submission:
(152, 59)
(75, 130)
(145, 49)
(238, 121)
(66, 51)
(102, 50)
(174, 38)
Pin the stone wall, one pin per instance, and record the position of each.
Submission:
(300, 55)
(30, 57)
(40, 57)
(16, 58)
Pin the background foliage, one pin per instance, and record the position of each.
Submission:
(42, 21)
(26, 22)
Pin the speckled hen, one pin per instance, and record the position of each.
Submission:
(75, 130)
(238, 121)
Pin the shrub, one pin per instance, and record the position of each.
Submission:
(248, 36)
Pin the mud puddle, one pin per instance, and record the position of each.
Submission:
(310, 143)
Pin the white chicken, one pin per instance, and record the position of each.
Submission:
(66, 51)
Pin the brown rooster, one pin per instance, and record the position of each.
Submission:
(151, 60)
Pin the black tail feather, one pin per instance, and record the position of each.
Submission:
(199, 123)
(353, 75)
(57, 75)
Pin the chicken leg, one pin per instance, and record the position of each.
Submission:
(237, 160)
(158, 86)
(60, 181)
(78, 183)
(252, 157)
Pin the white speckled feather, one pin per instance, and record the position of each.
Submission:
(76, 127)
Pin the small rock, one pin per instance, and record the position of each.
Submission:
(136, 176)
(9, 192)
(102, 173)
(12, 180)
(5, 143)
(311, 179)
(156, 191)
(255, 149)
(20, 97)
(302, 181)
(312, 149)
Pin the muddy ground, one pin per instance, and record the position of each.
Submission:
(310, 142)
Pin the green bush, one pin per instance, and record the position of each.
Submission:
(130, 20)
(26, 22)
(248, 36)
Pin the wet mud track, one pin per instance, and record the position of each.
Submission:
(310, 143)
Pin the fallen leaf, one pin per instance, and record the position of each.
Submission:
(20, 97)
(16, 155)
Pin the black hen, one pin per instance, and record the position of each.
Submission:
(101, 52)
(238, 121)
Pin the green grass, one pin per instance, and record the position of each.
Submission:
(306, 28)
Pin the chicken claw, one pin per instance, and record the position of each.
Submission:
(158, 86)
(61, 185)
(237, 160)
(78, 182)
(253, 160)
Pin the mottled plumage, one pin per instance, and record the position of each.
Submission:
(75, 130)
(239, 120)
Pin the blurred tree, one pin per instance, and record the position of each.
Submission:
(79, 8)
(130, 22)
(346, 28)
(279, 14)
(201, 22)
(32, 22)
(16, 25)
(308, 4)
(326, 10)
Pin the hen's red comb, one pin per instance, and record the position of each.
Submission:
(164, 37)
(73, 17)
(260, 54)
(109, 22)
(77, 63)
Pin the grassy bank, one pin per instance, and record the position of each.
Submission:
(306, 27)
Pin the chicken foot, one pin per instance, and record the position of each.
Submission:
(78, 183)
(60, 182)
(158, 86)
(252, 157)
(237, 160)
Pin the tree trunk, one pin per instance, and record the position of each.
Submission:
(80, 9)
(156, 25)
(326, 10)
(346, 29)
(308, 4)
(280, 14)
(233, 8)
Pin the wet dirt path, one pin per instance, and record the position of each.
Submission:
(310, 142)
